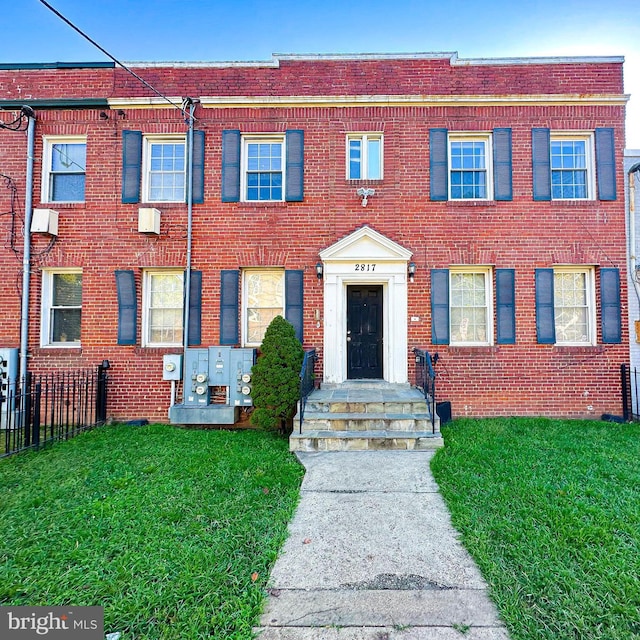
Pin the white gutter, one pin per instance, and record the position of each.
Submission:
(26, 257)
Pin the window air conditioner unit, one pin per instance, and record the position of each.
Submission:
(149, 220)
(44, 221)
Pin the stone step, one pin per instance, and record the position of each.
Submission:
(318, 405)
(365, 440)
(366, 421)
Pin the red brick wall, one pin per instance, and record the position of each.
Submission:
(101, 234)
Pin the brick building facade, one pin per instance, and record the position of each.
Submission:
(499, 181)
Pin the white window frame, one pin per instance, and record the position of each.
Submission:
(150, 140)
(582, 136)
(590, 284)
(246, 299)
(487, 273)
(264, 138)
(47, 160)
(364, 139)
(483, 137)
(47, 307)
(148, 275)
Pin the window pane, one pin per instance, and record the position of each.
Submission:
(69, 157)
(67, 290)
(374, 160)
(166, 177)
(264, 171)
(468, 308)
(165, 313)
(571, 307)
(67, 187)
(265, 300)
(65, 325)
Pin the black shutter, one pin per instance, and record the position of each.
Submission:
(295, 166)
(229, 306)
(197, 192)
(502, 160)
(439, 164)
(131, 166)
(606, 164)
(127, 307)
(231, 165)
(545, 314)
(506, 306)
(293, 283)
(195, 308)
(541, 163)
(610, 301)
(440, 306)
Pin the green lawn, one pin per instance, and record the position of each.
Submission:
(173, 531)
(551, 512)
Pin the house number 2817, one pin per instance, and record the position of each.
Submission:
(365, 267)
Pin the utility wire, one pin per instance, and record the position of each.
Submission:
(106, 53)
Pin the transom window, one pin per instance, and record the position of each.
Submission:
(470, 167)
(573, 295)
(61, 308)
(364, 156)
(165, 169)
(163, 308)
(263, 301)
(470, 313)
(64, 169)
(570, 167)
(263, 168)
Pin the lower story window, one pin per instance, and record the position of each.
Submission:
(163, 308)
(263, 301)
(61, 308)
(573, 295)
(470, 316)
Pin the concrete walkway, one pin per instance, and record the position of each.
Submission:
(372, 555)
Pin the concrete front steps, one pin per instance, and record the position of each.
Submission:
(365, 415)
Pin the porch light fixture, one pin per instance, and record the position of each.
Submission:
(319, 270)
(365, 193)
(411, 268)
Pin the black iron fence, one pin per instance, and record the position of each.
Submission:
(307, 380)
(40, 409)
(425, 380)
(630, 386)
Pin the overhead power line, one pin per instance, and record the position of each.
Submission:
(106, 53)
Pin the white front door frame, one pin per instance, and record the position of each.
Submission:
(365, 257)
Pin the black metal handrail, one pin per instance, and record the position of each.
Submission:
(425, 380)
(307, 380)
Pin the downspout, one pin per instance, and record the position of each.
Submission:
(26, 257)
(632, 228)
(187, 286)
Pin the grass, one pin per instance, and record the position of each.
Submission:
(173, 531)
(550, 510)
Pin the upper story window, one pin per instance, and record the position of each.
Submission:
(364, 156)
(263, 162)
(470, 306)
(64, 169)
(571, 167)
(470, 167)
(61, 308)
(264, 291)
(574, 306)
(164, 169)
(162, 312)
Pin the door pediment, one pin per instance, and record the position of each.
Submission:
(365, 243)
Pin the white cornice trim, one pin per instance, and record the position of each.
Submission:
(273, 102)
(452, 56)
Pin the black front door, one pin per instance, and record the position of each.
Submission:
(364, 332)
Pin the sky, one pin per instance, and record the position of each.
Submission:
(253, 30)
